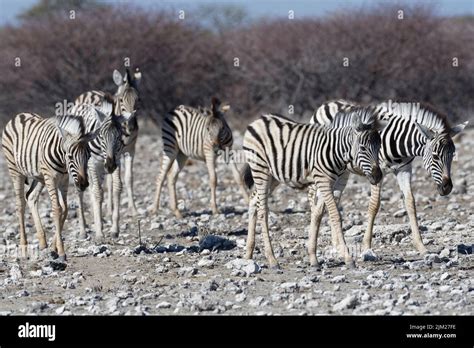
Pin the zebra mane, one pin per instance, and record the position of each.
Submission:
(366, 116)
(74, 125)
(422, 113)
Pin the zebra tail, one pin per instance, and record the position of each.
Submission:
(247, 177)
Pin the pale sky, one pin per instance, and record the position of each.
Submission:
(9, 9)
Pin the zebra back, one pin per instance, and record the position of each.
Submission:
(197, 131)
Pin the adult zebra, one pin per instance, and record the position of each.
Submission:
(45, 151)
(413, 130)
(106, 150)
(123, 102)
(198, 134)
(279, 150)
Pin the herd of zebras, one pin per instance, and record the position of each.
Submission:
(341, 137)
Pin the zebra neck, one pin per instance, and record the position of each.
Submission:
(346, 138)
(418, 147)
(62, 156)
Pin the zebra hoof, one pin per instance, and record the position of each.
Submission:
(275, 266)
(54, 255)
(99, 240)
(350, 264)
(62, 258)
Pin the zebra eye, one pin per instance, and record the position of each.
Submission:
(435, 157)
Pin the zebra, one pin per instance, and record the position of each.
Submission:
(124, 102)
(413, 130)
(279, 150)
(45, 151)
(105, 150)
(199, 134)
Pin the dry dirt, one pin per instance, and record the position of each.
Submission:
(122, 278)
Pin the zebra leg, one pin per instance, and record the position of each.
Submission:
(211, 168)
(128, 157)
(238, 179)
(317, 211)
(250, 245)
(338, 189)
(82, 220)
(96, 194)
(262, 186)
(32, 198)
(166, 162)
(57, 244)
(117, 190)
(109, 197)
(404, 181)
(176, 167)
(19, 186)
(374, 206)
(63, 202)
(336, 225)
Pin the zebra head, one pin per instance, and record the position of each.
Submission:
(109, 136)
(364, 154)
(438, 155)
(77, 154)
(218, 131)
(127, 93)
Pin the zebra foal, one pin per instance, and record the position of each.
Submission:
(199, 134)
(413, 130)
(279, 150)
(106, 150)
(45, 151)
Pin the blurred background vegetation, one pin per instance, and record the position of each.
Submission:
(282, 62)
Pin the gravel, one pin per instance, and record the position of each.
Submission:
(195, 265)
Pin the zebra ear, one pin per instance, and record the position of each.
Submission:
(215, 102)
(100, 116)
(381, 124)
(117, 78)
(87, 138)
(427, 133)
(457, 129)
(64, 133)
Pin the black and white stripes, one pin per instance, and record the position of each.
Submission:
(282, 151)
(106, 150)
(197, 133)
(412, 130)
(125, 103)
(44, 152)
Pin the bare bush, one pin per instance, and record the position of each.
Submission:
(281, 62)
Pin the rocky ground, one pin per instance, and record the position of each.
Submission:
(194, 265)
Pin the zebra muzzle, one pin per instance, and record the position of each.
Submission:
(82, 184)
(110, 165)
(445, 187)
(375, 175)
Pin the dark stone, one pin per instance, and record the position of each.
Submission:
(212, 242)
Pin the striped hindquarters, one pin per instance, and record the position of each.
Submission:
(34, 145)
